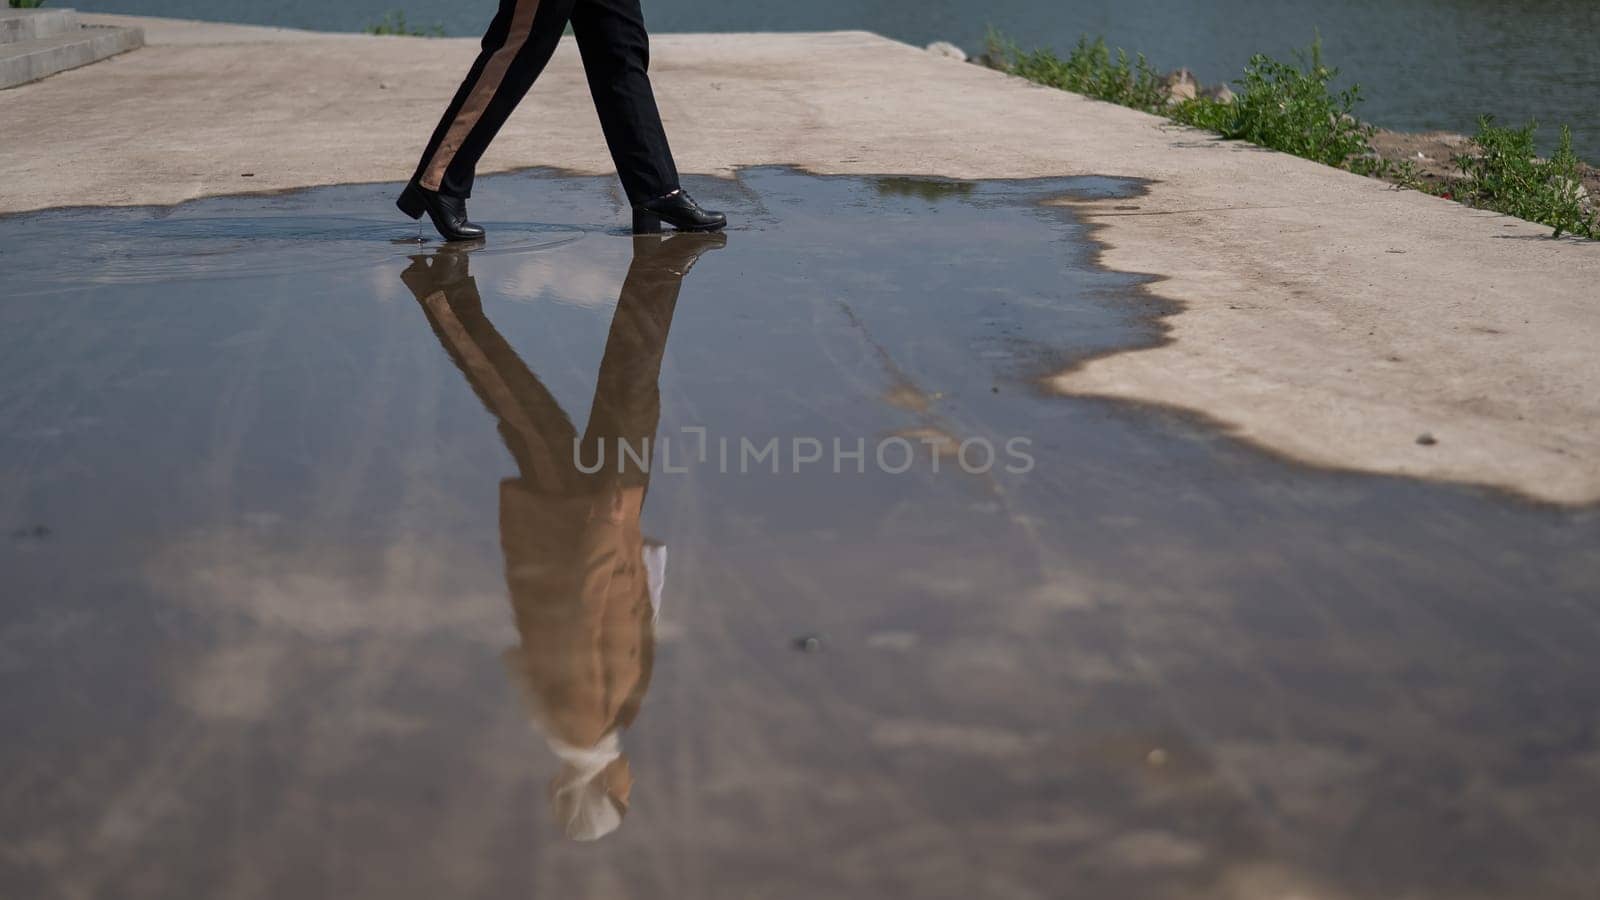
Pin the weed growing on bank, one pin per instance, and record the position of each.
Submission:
(27, 4)
(394, 24)
(1092, 71)
(1294, 108)
(1290, 108)
(1507, 176)
(1280, 105)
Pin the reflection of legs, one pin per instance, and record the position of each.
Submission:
(518, 44)
(627, 400)
(627, 396)
(532, 423)
(616, 59)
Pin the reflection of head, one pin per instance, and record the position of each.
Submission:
(590, 795)
(585, 586)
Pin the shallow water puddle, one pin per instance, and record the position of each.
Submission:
(305, 594)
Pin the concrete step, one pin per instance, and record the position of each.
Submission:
(35, 24)
(25, 61)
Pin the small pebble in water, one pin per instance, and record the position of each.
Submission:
(1426, 439)
(1156, 757)
(808, 643)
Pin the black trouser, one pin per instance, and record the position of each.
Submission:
(520, 41)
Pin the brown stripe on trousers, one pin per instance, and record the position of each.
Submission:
(499, 395)
(494, 74)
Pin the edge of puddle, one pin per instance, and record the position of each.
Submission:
(1143, 286)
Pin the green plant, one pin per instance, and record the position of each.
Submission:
(1292, 108)
(394, 23)
(1204, 112)
(1281, 105)
(27, 4)
(1091, 70)
(1506, 175)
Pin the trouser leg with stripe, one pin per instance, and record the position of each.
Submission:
(519, 43)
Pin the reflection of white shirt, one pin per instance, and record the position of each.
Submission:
(655, 573)
(578, 798)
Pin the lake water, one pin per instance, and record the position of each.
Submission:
(1425, 64)
(301, 599)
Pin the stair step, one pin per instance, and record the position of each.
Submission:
(35, 24)
(25, 61)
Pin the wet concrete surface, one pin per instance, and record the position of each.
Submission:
(305, 595)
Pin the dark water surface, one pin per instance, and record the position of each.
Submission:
(1425, 64)
(303, 598)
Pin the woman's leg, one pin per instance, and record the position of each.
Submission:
(616, 58)
(516, 48)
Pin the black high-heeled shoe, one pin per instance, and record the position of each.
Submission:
(679, 210)
(448, 214)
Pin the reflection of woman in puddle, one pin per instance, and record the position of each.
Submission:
(584, 583)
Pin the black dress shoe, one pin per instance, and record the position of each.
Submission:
(449, 214)
(679, 210)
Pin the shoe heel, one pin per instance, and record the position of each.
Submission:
(646, 222)
(411, 202)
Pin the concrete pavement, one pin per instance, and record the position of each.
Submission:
(1326, 317)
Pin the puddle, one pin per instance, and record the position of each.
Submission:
(306, 595)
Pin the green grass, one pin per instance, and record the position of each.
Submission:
(1294, 107)
(27, 4)
(1093, 71)
(1507, 175)
(394, 23)
(1290, 107)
